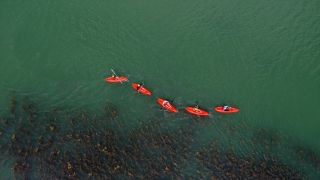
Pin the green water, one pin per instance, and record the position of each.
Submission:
(262, 57)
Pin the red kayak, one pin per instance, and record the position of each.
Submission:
(227, 111)
(167, 105)
(197, 111)
(116, 79)
(141, 89)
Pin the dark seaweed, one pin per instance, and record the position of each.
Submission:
(95, 147)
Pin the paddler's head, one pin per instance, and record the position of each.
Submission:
(113, 75)
(139, 85)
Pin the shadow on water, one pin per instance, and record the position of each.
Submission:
(58, 143)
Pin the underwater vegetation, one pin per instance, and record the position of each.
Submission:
(60, 144)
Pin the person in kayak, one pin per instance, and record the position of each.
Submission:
(195, 109)
(138, 87)
(225, 108)
(113, 76)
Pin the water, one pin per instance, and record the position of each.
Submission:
(262, 57)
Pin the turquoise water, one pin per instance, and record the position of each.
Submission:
(262, 57)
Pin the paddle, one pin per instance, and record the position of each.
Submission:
(116, 75)
(172, 101)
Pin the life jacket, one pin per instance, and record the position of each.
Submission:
(166, 104)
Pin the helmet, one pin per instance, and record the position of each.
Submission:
(139, 85)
